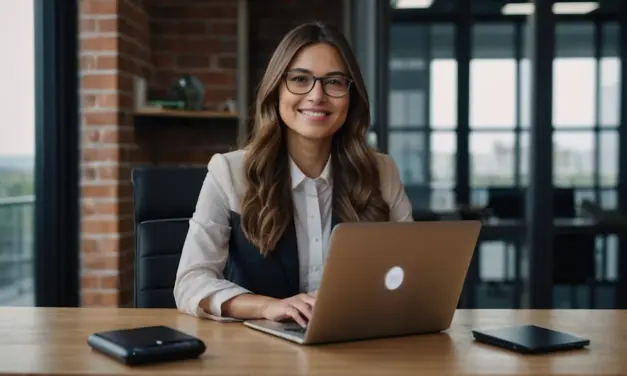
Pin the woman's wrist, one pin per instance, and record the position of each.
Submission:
(246, 306)
(263, 305)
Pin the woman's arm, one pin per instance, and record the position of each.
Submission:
(244, 307)
(205, 251)
(200, 288)
(248, 306)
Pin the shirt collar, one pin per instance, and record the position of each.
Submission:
(298, 176)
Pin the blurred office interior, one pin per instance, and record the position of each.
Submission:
(511, 112)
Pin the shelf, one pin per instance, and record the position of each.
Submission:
(165, 112)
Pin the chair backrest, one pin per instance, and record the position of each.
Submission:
(506, 202)
(164, 201)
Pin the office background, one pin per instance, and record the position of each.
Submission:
(470, 98)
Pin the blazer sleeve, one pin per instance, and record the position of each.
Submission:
(393, 190)
(205, 251)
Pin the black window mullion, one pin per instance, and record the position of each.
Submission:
(426, 86)
(598, 45)
(463, 45)
(518, 97)
(57, 154)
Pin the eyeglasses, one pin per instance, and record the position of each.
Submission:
(335, 86)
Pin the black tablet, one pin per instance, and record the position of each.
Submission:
(530, 339)
(146, 345)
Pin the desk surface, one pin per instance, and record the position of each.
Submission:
(53, 341)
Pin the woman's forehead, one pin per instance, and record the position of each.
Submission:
(320, 59)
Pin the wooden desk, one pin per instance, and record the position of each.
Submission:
(38, 341)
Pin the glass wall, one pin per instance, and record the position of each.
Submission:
(17, 152)
(422, 118)
(423, 103)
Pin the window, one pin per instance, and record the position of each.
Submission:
(573, 158)
(443, 78)
(17, 154)
(608, 158)
(492, 158)
(574, 67)
(422, 111)
(493, 77)
(408, 151)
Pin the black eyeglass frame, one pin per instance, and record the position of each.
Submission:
(321, 79)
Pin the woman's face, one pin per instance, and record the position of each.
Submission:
(315, 112)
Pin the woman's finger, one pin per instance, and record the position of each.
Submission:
(303, 308)
(309, 299)
(296, 316)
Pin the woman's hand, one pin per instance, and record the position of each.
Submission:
(298, 308)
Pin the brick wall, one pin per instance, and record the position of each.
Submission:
(197, 37)
(158, 40)
(114, 48)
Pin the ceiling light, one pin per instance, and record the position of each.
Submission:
(575, 8)
(517, 9)
(408, 4)
(558, 8)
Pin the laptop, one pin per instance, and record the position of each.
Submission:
(385, 279)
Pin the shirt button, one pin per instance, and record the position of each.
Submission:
(316, 240)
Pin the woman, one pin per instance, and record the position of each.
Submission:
(258, 239)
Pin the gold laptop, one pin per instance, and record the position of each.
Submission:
(386, 279)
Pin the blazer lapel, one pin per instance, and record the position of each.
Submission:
(287, 249)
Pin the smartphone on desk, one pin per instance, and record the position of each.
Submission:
(530, 339)
(146, 345)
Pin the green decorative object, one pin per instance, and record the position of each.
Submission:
(189, 90)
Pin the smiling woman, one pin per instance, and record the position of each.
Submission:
(258, 241)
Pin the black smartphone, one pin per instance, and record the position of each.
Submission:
(146, 345)
(530, 339)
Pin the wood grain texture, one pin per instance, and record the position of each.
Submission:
(52, 341)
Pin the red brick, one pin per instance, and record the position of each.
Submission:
(93, 248)
(164, 60)
(222, 29)
(97, 44)
(87, 25)
(193, 61)
(99, 299)
(218, 78)
(100, 226)
(117, 136)
(99, 7)
(99, 81)
(102, 190)
(229, 62)
(99, 118)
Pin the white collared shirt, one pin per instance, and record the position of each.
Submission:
(205, 251)
(312, 218)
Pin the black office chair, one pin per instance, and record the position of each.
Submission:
(164, 201)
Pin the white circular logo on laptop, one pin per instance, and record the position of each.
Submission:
(394, 278)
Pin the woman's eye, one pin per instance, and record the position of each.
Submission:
(335, 82)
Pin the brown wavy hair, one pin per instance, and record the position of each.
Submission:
(267, 209)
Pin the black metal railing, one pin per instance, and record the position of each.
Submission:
(16, 249)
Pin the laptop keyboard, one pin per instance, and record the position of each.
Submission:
(296, 330)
